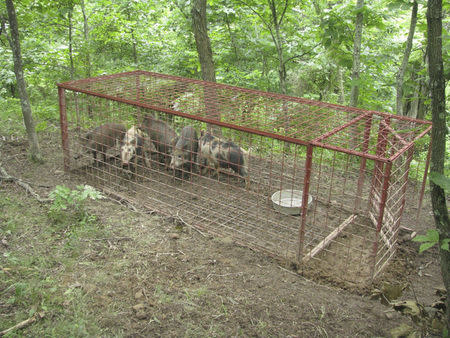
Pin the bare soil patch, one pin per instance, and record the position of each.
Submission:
(153, 276)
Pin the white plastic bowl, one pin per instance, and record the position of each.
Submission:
(289, 201)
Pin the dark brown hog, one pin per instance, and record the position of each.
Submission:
(162, 136)
(184, 152)
(102, 138)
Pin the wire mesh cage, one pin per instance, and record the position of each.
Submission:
(320, 185)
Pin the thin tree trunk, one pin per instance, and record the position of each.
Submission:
(87, 64)
(282, 74)
(421, 106)
(354, 93)
(133, 39)
(341, 86)
(357, 54)
(402, 70)
(135, 58)
(14, 42)
(424, 93)
(437, 88)
(232, 39)
(72, 68)
(86, 39)
(205, 56)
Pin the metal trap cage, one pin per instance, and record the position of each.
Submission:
(351, 165)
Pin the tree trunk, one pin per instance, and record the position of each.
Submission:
(14, 42)
(86, 39)
(72, 68)
(135, 57)
(232, 39)
(205, 56)
(279, 46)
(356, 54)
(202, 40)
(133, 39)
(402, 70)
(424, 93)
(341, 86)
(437, 88)
(421, 106)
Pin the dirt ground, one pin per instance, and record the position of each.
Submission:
(163, 279)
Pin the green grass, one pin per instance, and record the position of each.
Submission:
(33, 263)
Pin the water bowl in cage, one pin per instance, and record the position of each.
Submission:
(289, 201)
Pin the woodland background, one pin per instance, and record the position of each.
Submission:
(302, 48)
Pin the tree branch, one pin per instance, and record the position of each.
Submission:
(8, 178)
(300, 55)
(24, 323)
(286, 4)
(258, 14)
(186, 16)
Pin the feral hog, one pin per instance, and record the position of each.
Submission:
(135, 145)
(184, 152)
(162, 136)
(216, 153)
(102, 138)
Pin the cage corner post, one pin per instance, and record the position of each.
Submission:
(306, 183)
(139, 94)
(64, 128)
(403, 191)
(380, 217)
(363, 160)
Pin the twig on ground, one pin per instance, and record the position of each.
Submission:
(118, 199)
(106, 239)
(188, 225)
(24, 323)
(8, 178)
(224, 275)
(291, 272)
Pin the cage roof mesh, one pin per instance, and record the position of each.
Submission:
(292, 119)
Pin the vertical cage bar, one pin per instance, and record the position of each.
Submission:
(384, 193)
(362, 167)
(64, 131)
(380, 151)
(306, 182)
(403, 193)
(138, 98)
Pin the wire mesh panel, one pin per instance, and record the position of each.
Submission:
(316, 184)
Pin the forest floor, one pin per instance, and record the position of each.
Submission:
(125, 272)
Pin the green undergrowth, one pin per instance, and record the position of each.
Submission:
(37, 252)
(45, 114)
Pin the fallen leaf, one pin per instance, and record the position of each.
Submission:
(404, 331)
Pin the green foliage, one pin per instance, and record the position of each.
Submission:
(125, 35)
(11, 117)
(67, 202)
(430, 239)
